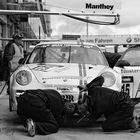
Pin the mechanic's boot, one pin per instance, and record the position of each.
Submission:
(134, 125)
(30, 125)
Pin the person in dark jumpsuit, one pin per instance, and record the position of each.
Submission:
(41, 111)
(117, 107)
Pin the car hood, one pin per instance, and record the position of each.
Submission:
(65, 74)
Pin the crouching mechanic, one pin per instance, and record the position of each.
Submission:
(42, 111)
(117, 107)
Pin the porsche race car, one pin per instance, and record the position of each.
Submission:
(62, 65)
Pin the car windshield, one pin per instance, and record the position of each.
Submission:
(67, 54)
(132, 57)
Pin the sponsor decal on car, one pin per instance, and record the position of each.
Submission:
(67, 77)
(64, 88)
(128, 84)
(45, 68)
(130, 71)
(68, 97)
(60, 86)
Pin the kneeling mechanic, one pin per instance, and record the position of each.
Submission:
(42, 111)
(117, 107)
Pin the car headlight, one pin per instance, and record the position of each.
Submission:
(109, 79)
(23, 77)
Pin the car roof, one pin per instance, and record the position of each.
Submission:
(67, 42)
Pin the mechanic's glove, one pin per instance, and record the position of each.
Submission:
(82, 108)
(69, 108)
(82, 88)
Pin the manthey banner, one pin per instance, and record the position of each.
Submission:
(111, 39)
(101, 6)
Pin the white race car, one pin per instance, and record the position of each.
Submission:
(62, 65)
(129, 67)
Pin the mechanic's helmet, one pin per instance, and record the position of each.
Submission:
(69, 108)
(17, 36)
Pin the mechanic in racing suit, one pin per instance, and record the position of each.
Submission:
(42, 111)
(117, 107)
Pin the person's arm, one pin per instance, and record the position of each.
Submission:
(98, 81)
(10, 52)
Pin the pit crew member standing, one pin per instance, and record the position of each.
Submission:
(117, 107)
(13, 52)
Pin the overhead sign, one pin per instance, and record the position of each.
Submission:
(111, 39)
(70, 37)
(101, 6)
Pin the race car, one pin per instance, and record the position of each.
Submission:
(62, 65)
(129, 67)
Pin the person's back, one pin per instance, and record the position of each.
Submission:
(52, 100)
(43, 110)
(107, 101)
(7, 50)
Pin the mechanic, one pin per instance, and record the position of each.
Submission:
(42, 111)
(117, 107)
(13, 52)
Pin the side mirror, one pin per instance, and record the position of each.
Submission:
(122, 63)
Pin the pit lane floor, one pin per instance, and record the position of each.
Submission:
(12, 129)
